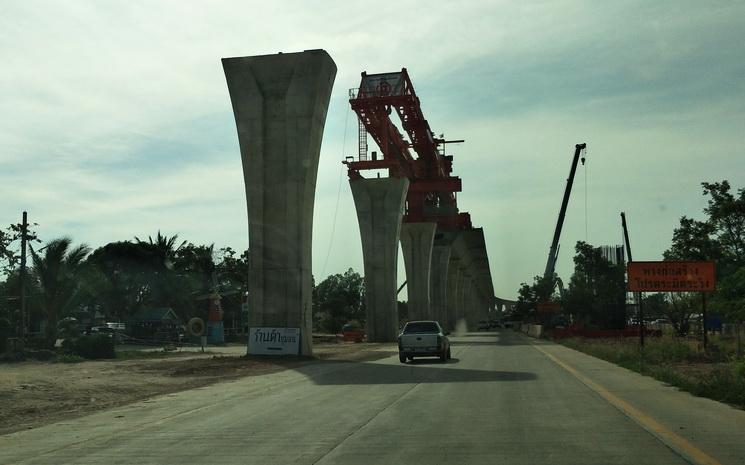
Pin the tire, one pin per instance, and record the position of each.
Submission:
(402, 358)
(449, 357)
(443, 356)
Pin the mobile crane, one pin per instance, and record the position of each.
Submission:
(553, 253)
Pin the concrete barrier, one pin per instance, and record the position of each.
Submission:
(535, 331)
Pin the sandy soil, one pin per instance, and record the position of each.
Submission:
(37, 393)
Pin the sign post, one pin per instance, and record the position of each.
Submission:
(703, 317)
(673, 277)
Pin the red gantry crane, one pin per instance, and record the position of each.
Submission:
(432, 188)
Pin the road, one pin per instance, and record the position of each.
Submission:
(504, 398)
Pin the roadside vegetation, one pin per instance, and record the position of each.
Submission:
(595, 303)
(71, 288)
(717, 374)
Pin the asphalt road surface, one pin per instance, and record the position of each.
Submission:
(504, 398)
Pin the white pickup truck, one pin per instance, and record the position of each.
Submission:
(423, 339)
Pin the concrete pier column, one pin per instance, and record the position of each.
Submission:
(380, 205)
(452, 292)
(464, 288)
(439, 283)
(280, 103)
(416, 245)
(472, 310)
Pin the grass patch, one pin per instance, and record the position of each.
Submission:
(717, 375)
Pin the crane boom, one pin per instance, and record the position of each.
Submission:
(554, 250)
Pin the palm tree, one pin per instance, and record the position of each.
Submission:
(57, 272)
(165, 247)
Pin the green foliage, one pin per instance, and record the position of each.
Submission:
(57, 273)
(529, 295)
(729, 299)
(720, 237)
(597, 290)
(232, 277)
(96, 346)
(338, 299)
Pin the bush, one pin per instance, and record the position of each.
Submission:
(95, 346)
(37, 341)
(41, 354)
(12, 357)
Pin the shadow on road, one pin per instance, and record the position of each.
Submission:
(418, 372)
(502, 338)
(432, 361)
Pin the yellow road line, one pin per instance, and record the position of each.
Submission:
(674, 441)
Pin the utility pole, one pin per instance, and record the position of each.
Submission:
(24, 229)
(637, 295)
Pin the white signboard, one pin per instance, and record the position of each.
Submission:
(273, 341)
(382, 85)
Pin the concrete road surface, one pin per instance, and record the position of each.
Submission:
(503, 398)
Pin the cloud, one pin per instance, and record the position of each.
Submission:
(116, 120)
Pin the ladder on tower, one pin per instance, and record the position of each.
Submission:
(362, 140)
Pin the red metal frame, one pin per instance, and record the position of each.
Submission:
(430, 182)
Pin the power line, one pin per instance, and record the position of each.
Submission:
(338, 193)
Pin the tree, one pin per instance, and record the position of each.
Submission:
(727, 215)
(338, 299)
(597, 292)
(232, 276)
(720, 237)
(165, 248)
(127, 269)
(681, 307)
(729, 299)
(695, 241)
(57, 272)
(164, 288)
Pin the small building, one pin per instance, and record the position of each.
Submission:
(160, 323)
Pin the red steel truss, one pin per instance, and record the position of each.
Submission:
(432, 188)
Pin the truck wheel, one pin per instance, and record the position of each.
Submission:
(443, 356)
(449, 357)
(402, 358)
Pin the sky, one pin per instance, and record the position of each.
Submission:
(115, 120)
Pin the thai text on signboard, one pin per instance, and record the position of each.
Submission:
(273, 341)
(671, 276)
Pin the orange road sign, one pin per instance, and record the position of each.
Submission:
(671, 277)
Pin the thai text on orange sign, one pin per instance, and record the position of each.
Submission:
(671, 276)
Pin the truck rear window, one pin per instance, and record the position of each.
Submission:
(421, 327)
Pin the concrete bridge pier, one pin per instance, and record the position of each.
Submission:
(380, 203)
(280, 104)
(416, 245)
(453, 283)
(439, 283)
(462, 298)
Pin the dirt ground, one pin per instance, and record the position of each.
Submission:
(38, 393)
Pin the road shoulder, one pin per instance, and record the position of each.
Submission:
(716, 430)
